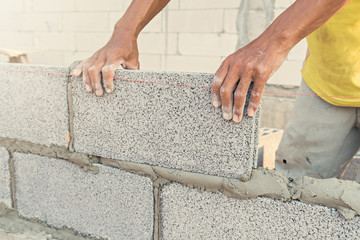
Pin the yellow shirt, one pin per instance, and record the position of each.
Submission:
(332, 69)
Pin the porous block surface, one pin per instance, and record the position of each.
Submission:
(5, 193)
(163, 119)
(33, 103)
(190, 214)
(111, 204)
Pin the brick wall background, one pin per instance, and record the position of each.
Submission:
(187, 35)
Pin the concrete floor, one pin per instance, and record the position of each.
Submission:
(12, 227)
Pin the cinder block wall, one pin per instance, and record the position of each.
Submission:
(187, 36)
(153, 160)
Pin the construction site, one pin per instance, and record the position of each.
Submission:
(153, 158)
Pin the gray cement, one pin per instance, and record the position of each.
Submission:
(33, 103)
(12, 227)
(112, 204)
(5, 192)
(163, 125)
(191, 214)
(340, 194)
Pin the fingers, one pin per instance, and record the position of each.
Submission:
(226, 91)
(95, 77)
(108, 72)
(132, 64)
(255, 97)
(240, 96)
(219, 78)
(78, 70)
(85, 75)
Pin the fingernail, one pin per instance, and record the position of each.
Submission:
(76, 72)
(108, 90)
(251, 112)
(88, 88)
(98, 92)
(237, 118)
(227, 115)
(216, 103)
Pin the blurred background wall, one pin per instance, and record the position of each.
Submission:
(189, 35)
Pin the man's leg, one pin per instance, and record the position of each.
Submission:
(319, 139)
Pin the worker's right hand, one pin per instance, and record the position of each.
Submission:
(121, 50)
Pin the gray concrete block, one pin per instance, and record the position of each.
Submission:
(5, 192)
(167, 123)
(190, 214)
(33, 103)
(112, 204)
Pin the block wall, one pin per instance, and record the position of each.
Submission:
(153, 160)
(190, 36)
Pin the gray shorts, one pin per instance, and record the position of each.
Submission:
(320, 139)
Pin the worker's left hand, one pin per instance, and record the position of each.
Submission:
(255, 62)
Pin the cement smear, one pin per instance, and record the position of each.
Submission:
(343, 195)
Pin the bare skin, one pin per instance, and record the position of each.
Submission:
(262, 57)
(255, 62)
(121, 50)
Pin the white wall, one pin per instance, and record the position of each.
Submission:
(189, 35)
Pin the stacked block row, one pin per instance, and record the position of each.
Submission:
(152, 119)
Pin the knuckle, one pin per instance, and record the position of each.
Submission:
(238, 111)
(260, 70)
(249, 65)
(253, 105)
(238, 94)
(92, 69)
(223, 91)
(236, 64)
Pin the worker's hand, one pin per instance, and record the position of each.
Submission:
(121, 50)
(255, 62)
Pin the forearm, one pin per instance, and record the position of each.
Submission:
(301, 19)
(139, 14)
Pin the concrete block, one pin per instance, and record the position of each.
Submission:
(99, 6)
(153, 26)
(86, 41)
(174, 4)
(298, 53)
(256, 23)
(53, 6)
(44, 22)
(55, 41)
(55, 58)
(150, 62)
(209, 4)
(147, 46)
(283, 3)
(111, 204)
(12, 6)
(86, 22)
(196, 21)
(159, 119)
(33, 103)
(190, 214)
(17, 40)
(207, 44)
(5, 192)
(192, 63)
(230, 16)
(288, 74)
